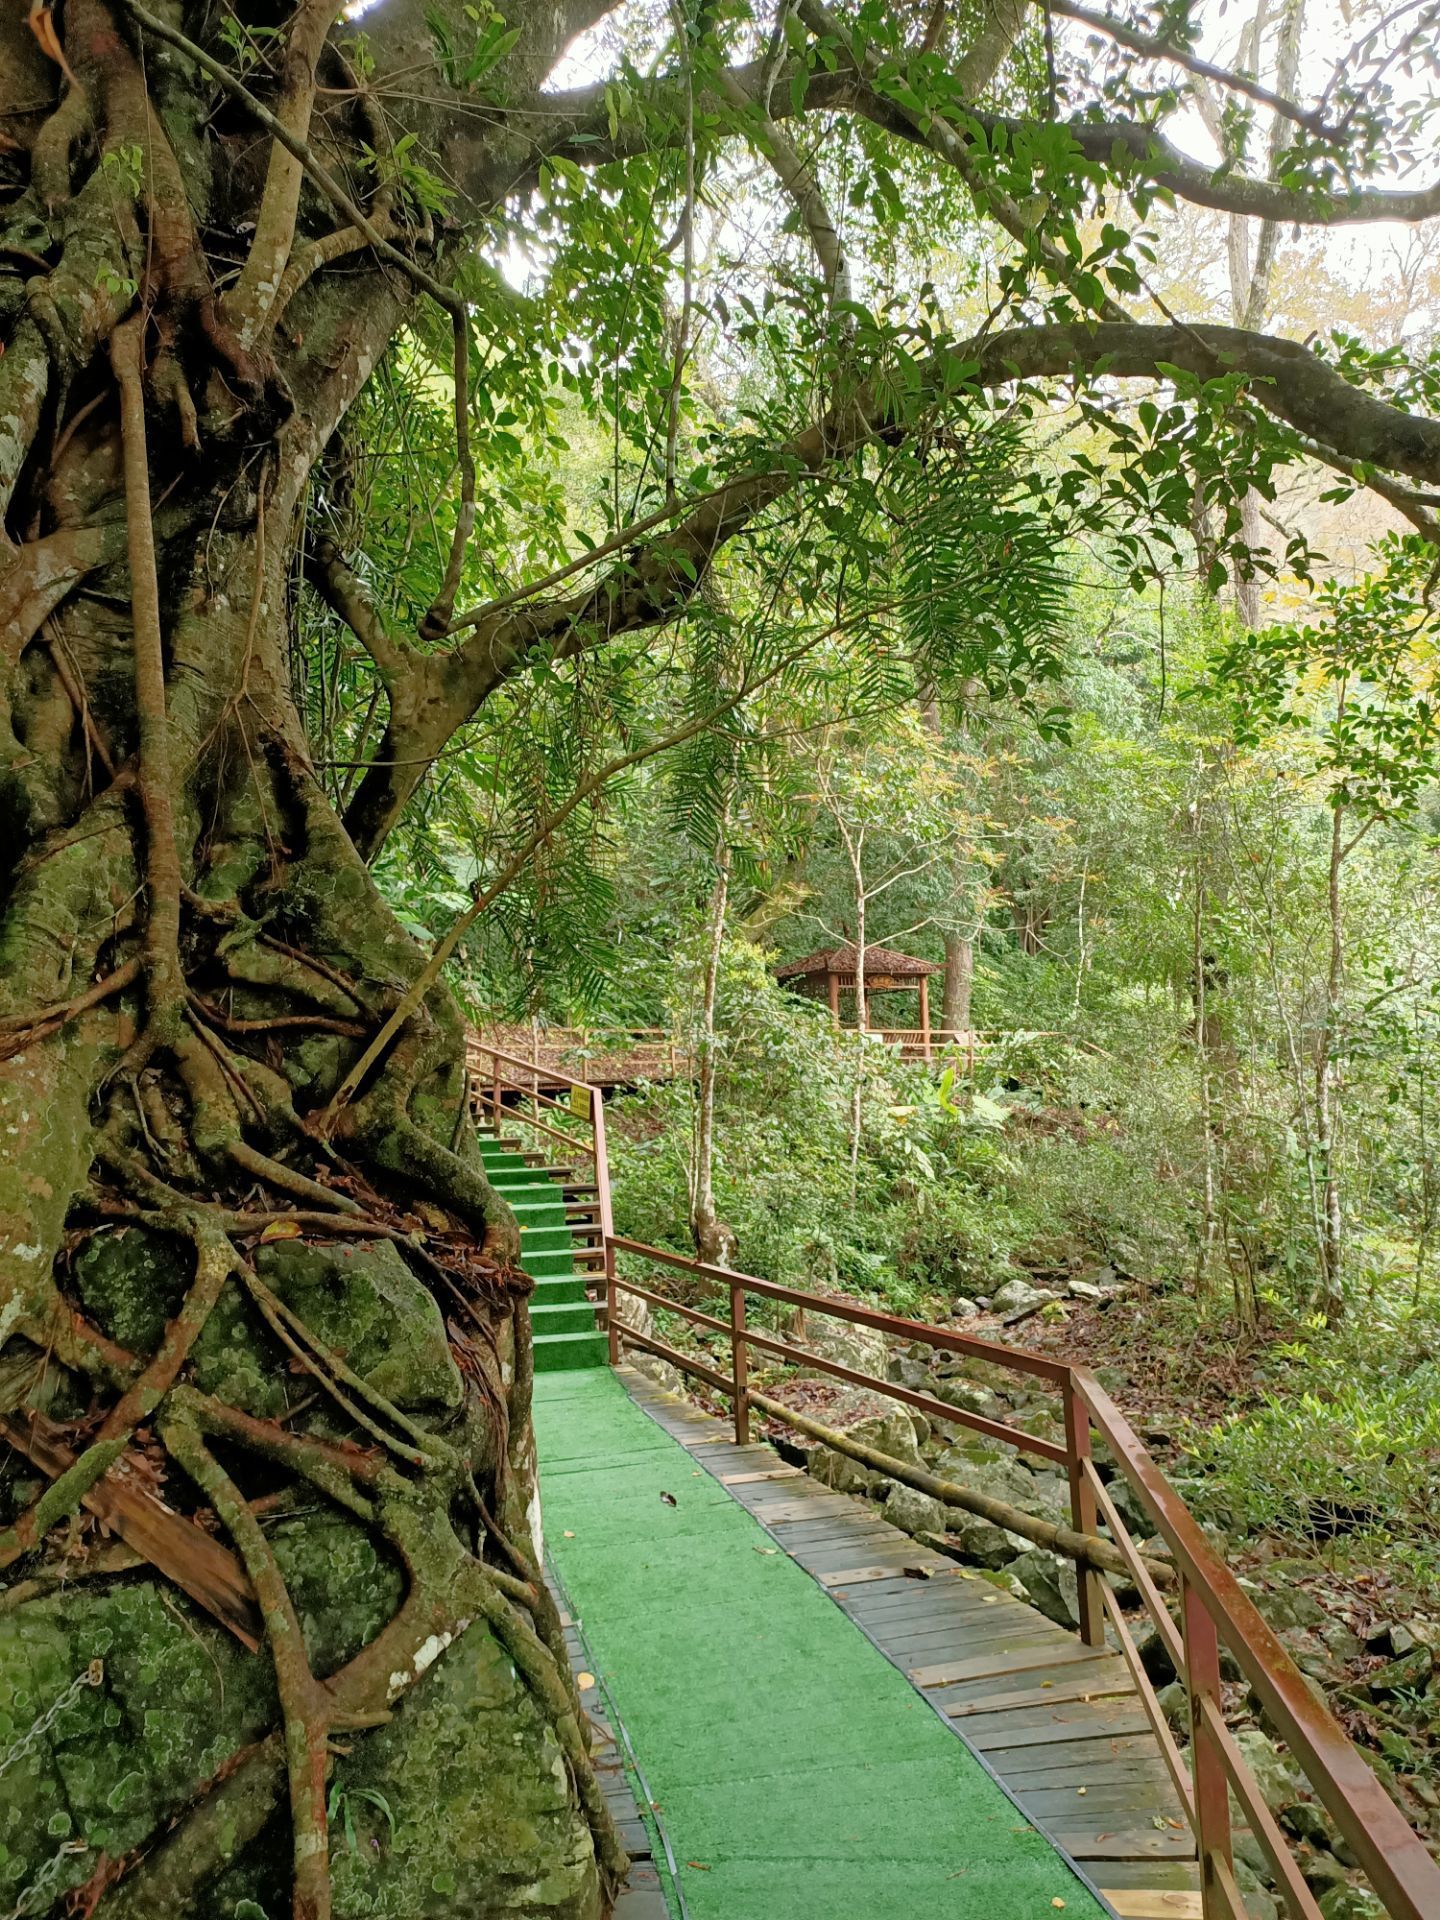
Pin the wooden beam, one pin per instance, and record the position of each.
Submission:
(925, 1014)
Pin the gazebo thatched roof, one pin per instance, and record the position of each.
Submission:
(878, 960)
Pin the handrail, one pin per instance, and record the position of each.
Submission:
(476, 1045)
(1214, 1609)
(1018, 1359)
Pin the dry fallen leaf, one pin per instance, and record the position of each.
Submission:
(280, 1230)
(1057, 1901)
(1082, 1789)
(698, 1864)
(568, 1534)
(43, 28)
(584, 1681)
(767, 1549)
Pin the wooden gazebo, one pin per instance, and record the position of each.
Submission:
(832, 971)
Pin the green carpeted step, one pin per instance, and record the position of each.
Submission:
(545, 1239)
(565, 1352)
(563, 1319)
(563, 1316)
(541, 1266)
(554, 1290)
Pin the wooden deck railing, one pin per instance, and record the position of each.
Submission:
(609, 1054)
(1213, 1611)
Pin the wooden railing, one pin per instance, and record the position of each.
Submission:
(922, 1043)
(509, 1091)
(605, 1053)
(1213, 1612)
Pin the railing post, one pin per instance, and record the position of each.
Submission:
(607, 1220)
(1207, 1765)
(1084, 1516)
(740, 1365)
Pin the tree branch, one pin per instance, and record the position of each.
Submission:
(1154, 46)
(248, 303)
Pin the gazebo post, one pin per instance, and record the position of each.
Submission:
(925, 1014)
(832, 982)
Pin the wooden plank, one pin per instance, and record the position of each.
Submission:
(1020, 1659)
(1113, 1843)
(1116, 1686)
(1073, 1759)
(1065, 1805)
(768, 1473)
(861, 1576)
(1154, 1903)
(1013, 1739)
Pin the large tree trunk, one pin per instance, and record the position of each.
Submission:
(280, 1345)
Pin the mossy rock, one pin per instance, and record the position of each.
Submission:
(364, 1302)
(178, 1694)
(484, 1817)
(361, 1301)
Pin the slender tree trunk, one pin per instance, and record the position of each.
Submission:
(714, 1242)
(1328, 1110)
(959, 980)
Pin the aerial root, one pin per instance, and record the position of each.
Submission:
(418, 1449)
(215, 1261)
(541, 1672)
(304, 1704)
(19, 1030)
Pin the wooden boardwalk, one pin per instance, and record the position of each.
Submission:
(1058, 1724)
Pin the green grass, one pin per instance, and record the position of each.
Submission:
(798, 1773)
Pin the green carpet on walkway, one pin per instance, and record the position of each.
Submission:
(798, 1773)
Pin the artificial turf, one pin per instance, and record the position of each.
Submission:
(797, 1773)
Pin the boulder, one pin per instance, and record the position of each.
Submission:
(658, 1370)
(963, 1308)
(1320, 1871)
(1284, 1603)
(862, 1348)
(1308, 1820)
(1174, 1703)
(913, 1374)
(998, 1478)
(1408, 1674)
(1351, 1903)
(982, 1542)
(1280, 1782)
(1085, 1290)
(914, 1512)
(892, 1433)
(1260, 1903)
(1018, 1296)
(1050, 1585)
(966, 1397)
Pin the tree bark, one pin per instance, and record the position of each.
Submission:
(959, 979)
(714, 1241)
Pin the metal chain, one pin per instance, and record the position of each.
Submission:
(92, 1676)
(42, 1888)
